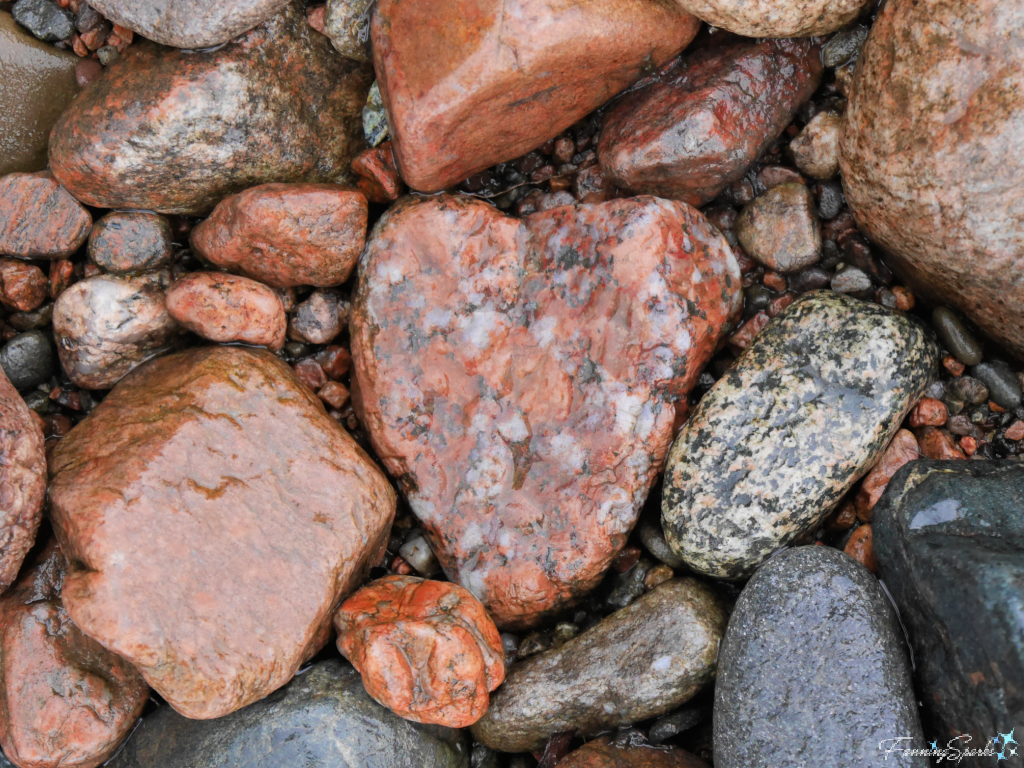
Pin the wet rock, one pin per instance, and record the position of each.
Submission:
(468, 85)
(1003, 385)
(226, 308)
(292, 115)
(955, 337)
(243, 539)
(44, 19)
(947, 537)
(697, 128)
(605, 753)
(852, 281)
(427, 650)
(320, 318)
(188, 23)
(105, 326)
(323, 717)
(798, 419)
(22, 286)
(816, 148)
(37, 85)
(30, 321)
(938, 444)
(902, 449)
(776, 18)
(929, 412)
(27, 360)
(813, 658)
(860, 547)
(375, 117)
(780, 229)
(653, 538)
(461, 310)
(22, 480)
(930, 155)
(131, 241)
(64, 699)
(638, 663)
(969, 390)
(286, 235)
(39, 219)
(347, 23)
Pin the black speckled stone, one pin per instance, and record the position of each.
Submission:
(28, 359)
(801, 416)
(812, 671)
(322, 718)
(949, 540)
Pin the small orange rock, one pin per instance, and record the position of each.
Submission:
(62, 273)
(968, 445)
(427, 650)
(843, 518)
(315, 17)
(929, 413)
(779, 303)
(902, 448)
(1015, 431)
(746, 333)
(953, 365)
(378, 179)
(904, 298)
(334, 394)
(775, 281)
(938, 444)
(995, 407)
(659, 574)
(861, 548)
(311, 374)
(224, 308)
(22, 286)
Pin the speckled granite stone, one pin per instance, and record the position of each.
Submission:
(813, 670)
(800, 417)
(776, 18)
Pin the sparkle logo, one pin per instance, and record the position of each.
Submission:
(1008, 748)
(1000, 747)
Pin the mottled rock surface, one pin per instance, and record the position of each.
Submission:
(470, 83)
(37, 85)
(347, 23)
(216, 516)
(105, 326)
(64, 699)
(797, 420)
(604, 753)
(287, 234)
(776, 18)
(427, 650)
(638, 663)
(816, 149)
(22, 286)
(22, 481)
(131, 241)
(949, 539)
(698, 127)
(519, 378)
(813, 664)
(39, 219)
(277, 104)
(226, 308)
(780, 229)
(322, 718)
(930, 154)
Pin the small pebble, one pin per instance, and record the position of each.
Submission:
(334, 394)
(123, 242)
(28, 360)
(809, 280)
(953, 365)
(23, 286)
(860, 548)
(851, 280)
(969, 389)
(904, 298)
(844, 45)
(86, 71)
(320, 318)
(938, 444)
(659, 574)
(416, 552)
(955, 336)
(1003, 384)
(780, 228)
(928, 413)
(674, 723)
(816, 149)
(1015, 431)
(45, 19)
(375, 119)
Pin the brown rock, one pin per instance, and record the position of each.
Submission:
(334, 394)
(22, 286)
(606, 753)
(816, 149)
(311, 374)
(218, 516)
(929, 412)
(131, 241)
(470, 83)
(38, 218)
(277, 104)
(860, 547)
(347, 23)
(226, 308)
(1015, 431)
(931, 154)
(62, 274)
(427, 650)
(518, 377)
(378, 175)
(938, 444)
(320, 318)
(696, 129)
(776, 18)
(106, 325)
(901, 449)
(747, 332)
(22, 480)
(780, 229)
(64, 699)
(287, 234)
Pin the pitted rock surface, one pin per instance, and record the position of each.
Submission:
(277, 104)
(799, 418)
(519, 378)
(698, 127)
(930, 154)
(776, 18)
(470, 83)
(39, 219)
(215, 517)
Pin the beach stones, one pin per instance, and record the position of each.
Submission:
(930, 159)
(228, 308)
(131, 241)
(801, 416)
(776, 18)
(814, 657)
(519, 378)
(605, 753)
(470, 83)
(214, 516)
(39, 219)
(28, 359)
(277, 104)
(780, 229)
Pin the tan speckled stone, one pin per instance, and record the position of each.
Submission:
(776, 18)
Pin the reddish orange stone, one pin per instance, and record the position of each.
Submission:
(604, 753)
(519, 378)
(1015, 431)
(470, 83)
(39, 219)
(953, 365)
(22, 286)
(938, 444)
(378, 175)
(861, 548)
(748, 332)
(427, 650)
(226, 308)
(902, 448)
(929, 412)
(968, 445)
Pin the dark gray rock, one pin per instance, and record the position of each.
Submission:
(653, 538)
(321, 718)
(673, 724)
(949, 541)
(638, 663)
(955, 337)
(813, 670)
(44, 19)
(28, 360)
(792, 425)
(1003, 384)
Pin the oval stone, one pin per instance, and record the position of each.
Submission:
(799, 418)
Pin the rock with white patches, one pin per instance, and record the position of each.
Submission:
(518, 378)
(639, 663)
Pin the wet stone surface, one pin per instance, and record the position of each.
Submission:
(131, 241)
(780, 229)
(604, 753)
(28, 359)
(39, 219)
(226, 308)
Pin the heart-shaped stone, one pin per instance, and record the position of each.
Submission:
(519, 378)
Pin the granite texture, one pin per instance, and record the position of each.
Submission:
(776, 18)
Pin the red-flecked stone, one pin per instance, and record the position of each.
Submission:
(1015, 431)
(518, 377)
(215, 517)
(901, 449)
(287, 234)
(605, 753)
(748, 332)
(311, 374)
(131, 241)
(929, 412)
(22, 286)
(226, 308)
(470, 83)
(931, 158)
(320, 318)
(335, 361)
(22, 480)
(860, 547)
(64, 699)
(38, 218)
(427, 650)
(696, 129)
(938, 444)
(378, 176)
